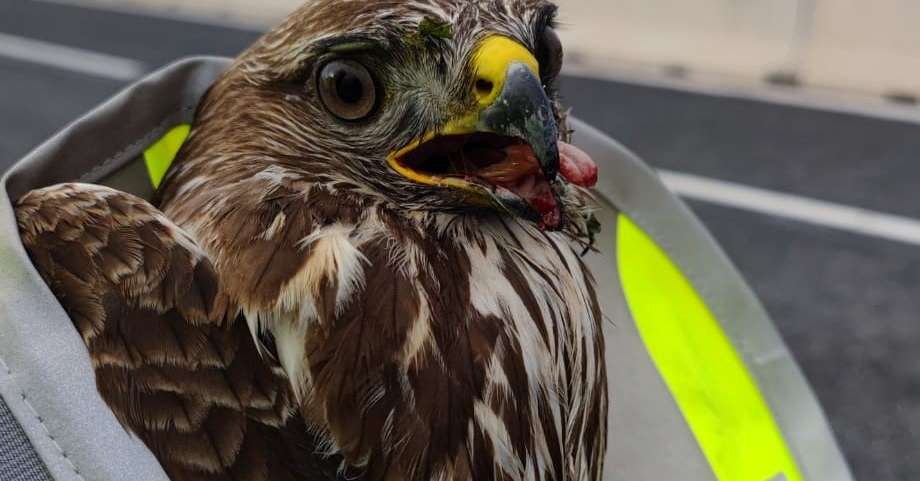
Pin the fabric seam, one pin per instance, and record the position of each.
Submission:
(145, 140)
(22, 394)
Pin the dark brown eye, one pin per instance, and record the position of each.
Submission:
(550, 55)
(347, 89)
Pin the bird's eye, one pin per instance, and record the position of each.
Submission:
(347, 89)
(550, 55)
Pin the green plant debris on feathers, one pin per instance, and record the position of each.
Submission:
(430, 31)
(593, 226)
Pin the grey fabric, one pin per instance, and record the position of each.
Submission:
(630, 185)
(18, 459)
(49, 386)
(47, 382)
(117, 132)
(131, 178)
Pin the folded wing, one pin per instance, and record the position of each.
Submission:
(172, 358)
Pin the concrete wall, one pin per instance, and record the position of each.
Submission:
(866, 44)
(870, 46)
(745, 38)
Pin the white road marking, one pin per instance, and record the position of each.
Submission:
(69, 58)
(828, 214)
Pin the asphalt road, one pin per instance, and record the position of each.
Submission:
(848, 305)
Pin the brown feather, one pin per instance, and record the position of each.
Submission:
(189, 384)
(422, 339)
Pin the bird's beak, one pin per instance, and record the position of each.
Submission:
(523, 110)
(506, 150)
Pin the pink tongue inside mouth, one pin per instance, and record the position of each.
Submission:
(520, 173)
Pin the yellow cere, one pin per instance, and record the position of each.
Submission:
(712, 386)
(161, 154)
(493, 57)
(491, 61)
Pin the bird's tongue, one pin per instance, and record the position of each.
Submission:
(520, 173)
(577, 166)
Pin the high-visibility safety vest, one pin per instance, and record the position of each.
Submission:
(702, 388)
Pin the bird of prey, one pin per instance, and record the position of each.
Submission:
(365, 262)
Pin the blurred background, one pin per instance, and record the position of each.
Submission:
(791, 127)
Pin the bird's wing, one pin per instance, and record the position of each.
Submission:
(171, 358)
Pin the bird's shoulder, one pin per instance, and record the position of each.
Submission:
(172, 358)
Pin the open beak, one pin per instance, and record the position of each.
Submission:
(523, 111)
(506, 152)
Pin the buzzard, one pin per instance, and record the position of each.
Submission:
(364, 263)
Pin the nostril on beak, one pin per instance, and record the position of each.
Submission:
(484, 88)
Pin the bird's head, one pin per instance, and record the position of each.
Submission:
(429, 105)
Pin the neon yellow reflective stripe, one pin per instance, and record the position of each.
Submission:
(161, 155)
(711, 384)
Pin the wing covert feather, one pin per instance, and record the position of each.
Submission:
(172, 359)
